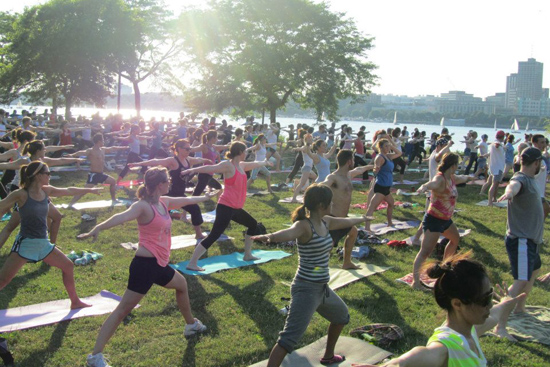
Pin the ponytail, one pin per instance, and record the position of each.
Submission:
(236, 148)
(153, 177)
(298, 214)
(28, 172)
(315, 196)
(33, 147)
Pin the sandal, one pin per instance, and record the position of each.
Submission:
(335, 359)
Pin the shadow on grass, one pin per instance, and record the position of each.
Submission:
(40, 357)
(481, 228)
(18, 283)
(486, 257)
(542, 352)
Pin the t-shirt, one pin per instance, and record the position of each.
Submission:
(483, 148)
(432, 165)
(497, 159)
(509, 153)
(525, 212)
(320, 135)
(540, 178)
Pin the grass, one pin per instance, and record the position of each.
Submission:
(240, 307)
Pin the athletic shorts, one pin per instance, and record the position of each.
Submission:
(481, 163)
(524, 257)
(384, 190)
(96, 178)
(32, 249)
(145, 271)
(263, 170)
(434, 224)
(338, 234)
(498, 177)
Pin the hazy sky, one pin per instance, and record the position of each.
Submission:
(433, 46)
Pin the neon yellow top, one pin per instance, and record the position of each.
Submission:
(460, 353)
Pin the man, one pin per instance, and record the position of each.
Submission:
(96, 156)
(497, 163)
(539, 141)
(272, 136)
(525, 226)
(321, 133)
(340, 183)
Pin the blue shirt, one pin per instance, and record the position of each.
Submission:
(509, 158)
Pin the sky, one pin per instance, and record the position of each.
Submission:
(429, 47)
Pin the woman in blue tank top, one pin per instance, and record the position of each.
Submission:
(321, 158)
(383, 169)
(310, 291)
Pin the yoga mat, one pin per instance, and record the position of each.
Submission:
(405, 182)
(26, 317)
(5, 217)
(96, 204)
(502, 204)
(186, 240)
(461, 232)
(355, 350)
(235, 260)
(382, 228)
(69, 168)
(130, 183)
(257, 193)
(209, 217)
(299, 198)
(532, 326)
(408, 279)
(342, 277)
(482, 182)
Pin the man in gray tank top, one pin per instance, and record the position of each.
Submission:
(525, 227)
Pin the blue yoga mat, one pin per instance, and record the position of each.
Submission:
(231, 261)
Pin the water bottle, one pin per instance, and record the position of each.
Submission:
(96, 256)
(73, 256)
(80, 261)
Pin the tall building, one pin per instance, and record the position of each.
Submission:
(524, 91)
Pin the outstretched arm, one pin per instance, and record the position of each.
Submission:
(341, 223)
(511, 190)
(460, 179)
(61, 161)
(70, 191)
(300, 230)
(249, 166)
(360, 170)
(434, 355)
(222, 167)
(165, 162)
(178, 202)
(55, 148)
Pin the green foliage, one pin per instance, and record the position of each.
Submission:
(257, 54)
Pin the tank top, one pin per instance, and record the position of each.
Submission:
(323, 168)
(460, 353)
(156, 236)
(65, 138)
(17, 178)
(133, 143)
(313, 257)
(178, 185)
(384, 177)
(308, 162)
(442, 205)
(34, 218)
(234, 194)
(359, 147)
(261, 153)
(212, 155)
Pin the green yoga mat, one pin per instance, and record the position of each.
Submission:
(533, 325)
(231, 261)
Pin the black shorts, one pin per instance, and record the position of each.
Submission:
(434, 224)
(96, 178)
(384, 190)
(145, 271)
(338, 234)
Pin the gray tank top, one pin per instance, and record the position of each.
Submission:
(34, 216)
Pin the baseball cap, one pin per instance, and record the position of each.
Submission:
(530, 155)
(500, 134)
(441, 141)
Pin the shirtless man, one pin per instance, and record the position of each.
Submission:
(96, 156)
(340, 183)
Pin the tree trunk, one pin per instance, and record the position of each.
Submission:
(68, 105)
(54, 108)
(118, 94)
(272, 114)
(137, 98)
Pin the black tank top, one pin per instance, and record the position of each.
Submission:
(178, 185)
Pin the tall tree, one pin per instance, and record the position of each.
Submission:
(257, 54)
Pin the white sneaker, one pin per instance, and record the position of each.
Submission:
(194, 329)
(97, 360)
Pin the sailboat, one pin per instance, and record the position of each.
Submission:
(495, 124)
(395, 118)
(527, 127)
(515, 127)
(442, 123)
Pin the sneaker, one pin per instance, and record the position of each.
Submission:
(97, 360)
(5, 354)
(194, 329)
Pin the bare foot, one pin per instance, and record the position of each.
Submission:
(350, 266)
(79, 304)
(293, 201)
(544, 278)
(194, 268)
(200, 237)
(420, 287)
(390, 224)
(416, 242)
(250, 258)
(503, 333)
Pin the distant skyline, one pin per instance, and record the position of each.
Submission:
(431, 47)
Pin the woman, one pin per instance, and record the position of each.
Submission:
(509, 155)
(133, 141)
(320, 158)
(150, 264)
(176, 164)
(437, 220)
(464, 291)
(397, 142)
(231, 202)
(32, 244)
(307, 168)
(309, 290)
(210, 151)
(299, 159)
(260, 149)
(472, 141)
(383, 168)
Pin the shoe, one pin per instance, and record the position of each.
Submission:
(194, 329)
(97, 360)
(5, 354)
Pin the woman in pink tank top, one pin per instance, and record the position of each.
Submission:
(437, 220)
(231, 202)
(150, 265)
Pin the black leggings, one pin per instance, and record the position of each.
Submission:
(225, 214)
(401, 163)
(473, 158)
(359, 162)
(132, 158)
(298, 163)
(204, 180)
(193, 209)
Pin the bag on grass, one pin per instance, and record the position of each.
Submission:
(380, 334)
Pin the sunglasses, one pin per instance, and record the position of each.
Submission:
(46, 173)
(485, 300)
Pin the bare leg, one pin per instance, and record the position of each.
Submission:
(519, 287)
(454, 237)
(334, 331)
(199, 251)
(268, 181)
(56, 218)
(179, 283)
(298, 187)
(57, 259)
(277, 356)
(112, 188)
(248, 249)
(13, 223)
(77, 197)
(198, 233)
(348, 246)
(13, 263)
(486, 185)
(126, 305)
(389, 211)
(373, 204)
(492, 191)
(428, 244)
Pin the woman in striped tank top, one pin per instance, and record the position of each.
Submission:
(464, 291)
(310, 291)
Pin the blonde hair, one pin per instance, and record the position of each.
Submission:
(153, 177)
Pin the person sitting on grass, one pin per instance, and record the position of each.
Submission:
(150, 264)
(464, 291)
(309, 290)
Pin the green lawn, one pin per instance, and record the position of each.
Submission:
(240, 307)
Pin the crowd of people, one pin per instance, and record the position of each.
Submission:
(169, 156)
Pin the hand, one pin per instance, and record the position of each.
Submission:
(186, 172)
(544, 278)
(269, 163)
(93, 233)
(212, 194)
(506, 196)
(261, 238)
(421, 189)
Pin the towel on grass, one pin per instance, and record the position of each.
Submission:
(182, 241)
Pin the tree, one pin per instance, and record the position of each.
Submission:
(64, 51)
(258, 54)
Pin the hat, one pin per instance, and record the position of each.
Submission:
(500, 134)
(441, 141)
(530, 155)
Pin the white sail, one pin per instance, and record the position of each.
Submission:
(442, 123)
(527, 127)
(395, 118)
(495, 124)
(515, 126)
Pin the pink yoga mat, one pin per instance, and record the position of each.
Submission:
(26, 317)
(408, 279)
